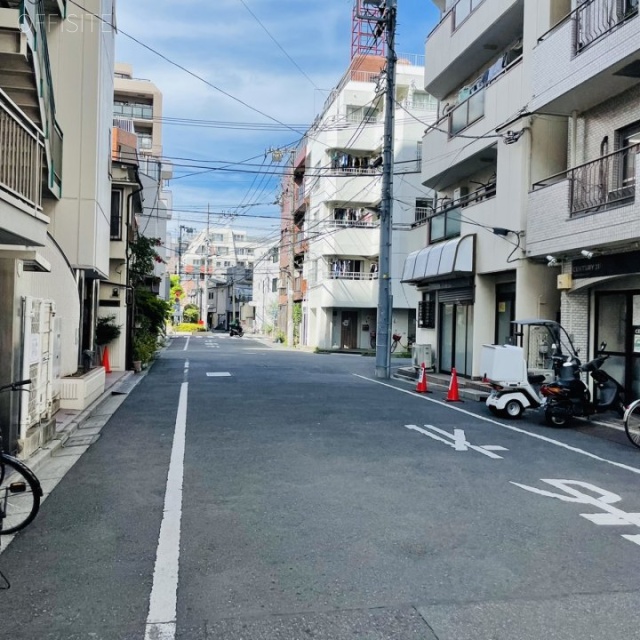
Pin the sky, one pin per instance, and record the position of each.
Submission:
(278, 57)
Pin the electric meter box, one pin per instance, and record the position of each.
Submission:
(502, 363)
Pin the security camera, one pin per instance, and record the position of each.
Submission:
(551, 261)
(587, 254)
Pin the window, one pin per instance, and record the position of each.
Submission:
(445, 225)
(217, 237)
(274, 285)
(424, 208)
(362, 114)
(424, 101)
(116, 214)
(629, 137)
(427, 311)
(145, 141)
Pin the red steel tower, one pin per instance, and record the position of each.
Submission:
(367, 37)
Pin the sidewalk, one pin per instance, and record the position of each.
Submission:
(68, 421)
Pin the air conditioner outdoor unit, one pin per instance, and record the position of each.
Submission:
(460, 195)
(422, 353)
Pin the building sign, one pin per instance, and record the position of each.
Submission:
(611, 265)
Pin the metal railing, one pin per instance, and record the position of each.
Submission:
(596, 18)
(606, 182)
(351, 275)
(347, 224)
(21, 155)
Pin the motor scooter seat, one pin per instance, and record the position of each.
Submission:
(536, 379)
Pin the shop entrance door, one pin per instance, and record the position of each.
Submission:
(618, 324)
(456, 338)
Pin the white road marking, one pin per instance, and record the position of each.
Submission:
(509, 427)
(218, 374)
(161, 621)
(186, 344)
(457, 440)
(603, 500)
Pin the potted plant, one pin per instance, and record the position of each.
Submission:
(107, 330)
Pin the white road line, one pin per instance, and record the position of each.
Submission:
(218, 374)
(163, 602)
(537, 436)
(186, 344)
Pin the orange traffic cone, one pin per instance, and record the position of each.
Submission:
(453, 395)
(105, 359)
(421, 387)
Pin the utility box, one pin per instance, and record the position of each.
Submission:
(565, 281)
(422, 353)
(503, 363)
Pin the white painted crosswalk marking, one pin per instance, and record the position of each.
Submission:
(457, 440)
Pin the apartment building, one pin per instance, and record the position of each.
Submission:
(333, 204)
(265, 301)
(584, 212)
(207, 260)
(127, 205)
(481, 157)
(137, 107)
(56, 96)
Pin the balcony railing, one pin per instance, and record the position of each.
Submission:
(351, 275)
(348, 224)
(609, 181)
(463, 9)
(134, 110)
(596, 18)
(21, 155)
(466, 113)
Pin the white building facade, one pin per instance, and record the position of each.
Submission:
(57, 96)
(342, 194)
(481, 157)
(585, 214)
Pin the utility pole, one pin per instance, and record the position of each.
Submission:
(385, 309)
(290, 279)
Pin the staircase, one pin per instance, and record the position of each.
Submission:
(25, 74)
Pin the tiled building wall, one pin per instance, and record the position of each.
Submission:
(605, 120)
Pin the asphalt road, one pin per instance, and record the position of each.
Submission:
(248, 492)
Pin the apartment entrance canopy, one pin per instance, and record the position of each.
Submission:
(453, 258)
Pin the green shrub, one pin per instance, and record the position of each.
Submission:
(145, 345)
(190, 326)
(107, 330)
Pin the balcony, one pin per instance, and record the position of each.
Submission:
(21, 163)
(360, 186)
(25, 75)
(574, 209)
(467, 38)
(359, 290)
(588, 57)
(134, 111)
(483, 111)
(341, 237)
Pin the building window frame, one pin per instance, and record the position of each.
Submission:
(116, 214)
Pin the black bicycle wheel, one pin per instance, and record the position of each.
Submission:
(632, 423)
(394, 345)
(20, 494)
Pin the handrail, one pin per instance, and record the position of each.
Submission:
(21, 148)
(558, 176)
(571, 14)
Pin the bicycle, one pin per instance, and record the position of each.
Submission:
(20, 489)
(396, 337)
(395, 341)
(632, 422)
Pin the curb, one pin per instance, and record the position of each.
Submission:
(42, 455)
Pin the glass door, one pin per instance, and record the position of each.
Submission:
(456, 338)
(618, 324)
(505, 313)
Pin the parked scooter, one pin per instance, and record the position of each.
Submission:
(515, 380)
(569, 396)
